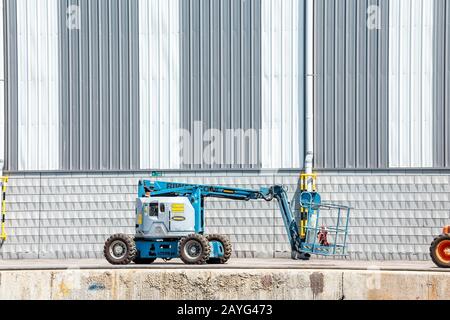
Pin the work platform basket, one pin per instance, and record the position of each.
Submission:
(326, 228)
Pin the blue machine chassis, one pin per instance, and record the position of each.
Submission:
(168, 249)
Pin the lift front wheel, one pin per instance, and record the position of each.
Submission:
(440, 251)
(120, 249)
(194, 249)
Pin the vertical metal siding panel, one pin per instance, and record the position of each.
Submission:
(114, 107)
(329, 80)
(164, 83)
(205, 76)
(350, 84)
(64, 117)
(37, 73)
(221, 70)
(285, 77)
(22, 42)
(394, 83)
(276, 85)
(154, 77)
(319, 127)
(185, 79)
(298, 83)
(438, 84)
(33, 86)
(124, 86)
(383, 87)
(235, 114)
(53, 116)
(266, 82)
(85, 84)
(409, 98)
(74, 96)
(104, 86)
(195, 82)
(214, 39)
(94, 86)
(372, 94)
(340, 85)
(94, 106)
(286, 88)
(225, 75)
(11, 81)
(144, 83)
(350, 99)
(416, 88)
(405, 84)
(134, 84)
(427, 84)
(42, 75)
(245, 99)
(194, 87)
(174, 85)
(361, 85)
(159, 82)
(205, 73)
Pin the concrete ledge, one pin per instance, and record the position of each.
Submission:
(234, 284)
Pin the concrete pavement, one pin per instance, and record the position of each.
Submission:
(233, 263)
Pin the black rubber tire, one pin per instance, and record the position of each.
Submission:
(204, 249)
(130, 246)
(433, 251)
(144, 260)
(227, 248)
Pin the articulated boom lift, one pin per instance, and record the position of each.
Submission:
(170, 223)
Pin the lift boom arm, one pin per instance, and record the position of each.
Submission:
(196, 194)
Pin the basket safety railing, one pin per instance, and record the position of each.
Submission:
(326, 226)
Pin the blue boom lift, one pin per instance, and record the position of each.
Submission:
(170, 223)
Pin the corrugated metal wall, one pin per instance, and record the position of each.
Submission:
(114, 93)
(32, 84)
(119, 80)
(160, 83)
(380, 92)
(99, 87)
(351, 86)
(283, 83)
(410, 83)
(221, 78)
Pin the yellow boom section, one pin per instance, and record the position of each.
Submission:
(303, 211)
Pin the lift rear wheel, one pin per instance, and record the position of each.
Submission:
(440, 251)
(194, 249)
(120, 249)
(227, 248)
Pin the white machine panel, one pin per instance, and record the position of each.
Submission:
(164, 217)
